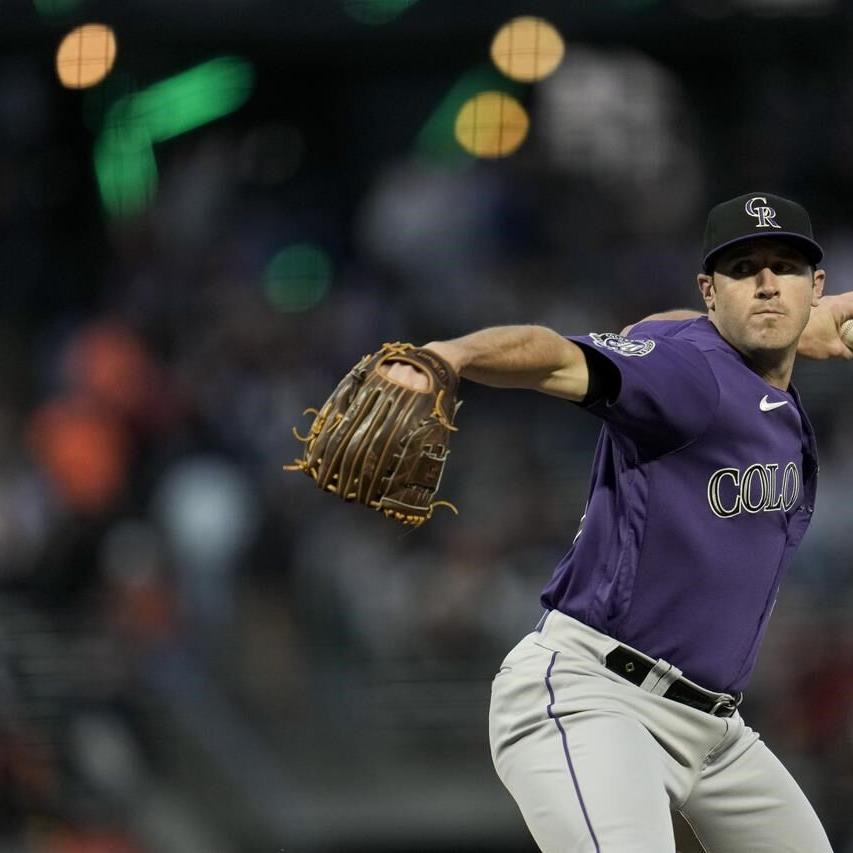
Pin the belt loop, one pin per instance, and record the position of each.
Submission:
(660, 677)
(541, 623)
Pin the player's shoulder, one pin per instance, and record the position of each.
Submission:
(699, 332)
(660, 328)
(656, 338)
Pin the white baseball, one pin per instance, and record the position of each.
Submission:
(847, 333)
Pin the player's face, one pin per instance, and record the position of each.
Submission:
(761, 294)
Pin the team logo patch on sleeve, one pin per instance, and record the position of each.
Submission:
(624, 346)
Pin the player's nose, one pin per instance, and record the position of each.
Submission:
(766, 282)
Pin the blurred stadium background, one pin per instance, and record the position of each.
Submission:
(210, 209)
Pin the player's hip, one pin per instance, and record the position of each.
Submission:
(559, 672)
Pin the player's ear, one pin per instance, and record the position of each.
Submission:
(706, 288)
(817, 289)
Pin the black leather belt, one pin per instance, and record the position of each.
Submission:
(634, 667)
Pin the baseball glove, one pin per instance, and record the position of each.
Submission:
(383, 444)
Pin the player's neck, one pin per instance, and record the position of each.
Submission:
(779, 376)
(773, 366)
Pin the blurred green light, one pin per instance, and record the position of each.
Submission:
(190, 99)
(126, 170)
(55, 8)
(376, 11)
(437, 138)
(125, 167)
(297, 278)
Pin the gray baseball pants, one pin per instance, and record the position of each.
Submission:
(597, 764)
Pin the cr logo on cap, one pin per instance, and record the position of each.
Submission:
(765, 214)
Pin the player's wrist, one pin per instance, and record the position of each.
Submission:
(450, 352)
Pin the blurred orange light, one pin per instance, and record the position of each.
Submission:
(107, 362)
(85, 56)
(83, 451)
(527, 49)
(491, 124)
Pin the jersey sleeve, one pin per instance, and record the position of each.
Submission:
(666, 394)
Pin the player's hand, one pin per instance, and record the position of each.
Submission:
(405, 374)
(821, 339)
(410, 376)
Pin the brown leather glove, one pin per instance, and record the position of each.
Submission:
(383, 444)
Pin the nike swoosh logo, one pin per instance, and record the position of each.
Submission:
(766, 406)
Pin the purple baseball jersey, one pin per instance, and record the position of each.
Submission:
(703, 485)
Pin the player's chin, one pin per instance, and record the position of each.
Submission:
(778, 334)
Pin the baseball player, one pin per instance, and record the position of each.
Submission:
(621, 707)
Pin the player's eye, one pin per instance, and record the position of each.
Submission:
(742, 269)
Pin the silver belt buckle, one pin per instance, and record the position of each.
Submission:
(727, 702)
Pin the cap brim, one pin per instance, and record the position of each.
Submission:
(809, 248)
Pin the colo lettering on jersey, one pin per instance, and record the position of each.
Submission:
(756, 489)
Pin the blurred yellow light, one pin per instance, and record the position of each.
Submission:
(527, 49)
(85, 56)
(491, 124)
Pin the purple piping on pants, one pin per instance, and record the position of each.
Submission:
(566, 752)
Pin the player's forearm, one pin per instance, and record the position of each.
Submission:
(533, 357)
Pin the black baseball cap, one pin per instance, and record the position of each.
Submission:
(758, 215)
